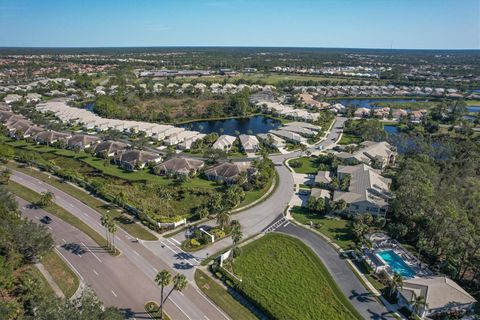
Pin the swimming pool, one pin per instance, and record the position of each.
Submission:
(396, 263)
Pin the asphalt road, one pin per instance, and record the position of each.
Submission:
(351, 286)
(191, 303)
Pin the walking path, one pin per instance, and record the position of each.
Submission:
(56, 289)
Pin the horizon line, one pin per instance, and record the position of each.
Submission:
(235, 46)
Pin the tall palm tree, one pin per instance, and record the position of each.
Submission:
(237, 234)
(112, 227)
(104, 222)
(223, 219)
(180, 282)
(417, 303)
(163, 279)
(395, 284)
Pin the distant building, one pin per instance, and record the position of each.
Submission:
(179, 166)
(136, 159)
(440, 293)
(224, 142)
(376, 154)
(110, 148)
(50, 137)
(250, 144)
(272, 140)
(228, 172)
(82, 141)
(368, 191)
(323, 177)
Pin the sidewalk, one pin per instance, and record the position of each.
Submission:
(56, 289)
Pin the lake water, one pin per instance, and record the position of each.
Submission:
(389, 129)
(473, 109)
(251, 125)
(368, 103)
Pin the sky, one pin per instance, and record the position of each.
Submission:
(397, 24)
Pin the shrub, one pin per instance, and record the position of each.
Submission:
(194, 243)
(295, 163)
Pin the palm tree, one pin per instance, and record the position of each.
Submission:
(104, 222)
(112, 227)
(237, 234)
(180, 282)
(394, 284)
(163, 279)
(46, 199)
(5, 176)
(417, 303)
(223, 219)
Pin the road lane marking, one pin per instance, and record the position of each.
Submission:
(168, 247)
(171, 299)
(211, 303)
(64, 240)
(135, 252)
(91, 252)
(94, 271)
(155, 269)
(70, 264)
(37, 217)
(173, 239)
(286, 224)
(49, 227)
(206, 317)
(114, 293)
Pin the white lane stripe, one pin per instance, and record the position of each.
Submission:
(206, 317)
(286, 224)
(114, 293)
(64, 240)
(70, 264)
(171, 299)
(168, 247)
(91, 252)
(180, 249)
(135, 252)
(178, 242)
(155, 269)
(94, 271)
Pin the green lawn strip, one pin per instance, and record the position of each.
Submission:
(153, 310)
(37, 275)
(122, 219)
(286, 279)
(473, 102)
(65, 278)
(349, 139)
(32, 196)
(335, 229)
(254, 195)
(308, 165)
(221, 297)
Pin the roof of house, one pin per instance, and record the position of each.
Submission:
(320, 193)
(288, 135)
(248, 141)
(228, 170)
(224, 141)
(438, 291)
(82, 139)
(366, 184)
(137, 156)
(51, 136)
(181, 165)
(323, 177)
(110, 146)
(370, 150)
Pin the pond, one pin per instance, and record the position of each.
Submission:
(369, 103)
(250, 125)
(473, 108)
(390, 129)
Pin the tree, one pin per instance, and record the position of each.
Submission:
(237, 234)
(112, 228)
(5, 176)
(417, 303)
(303, 148)
(180, 282)
(6, 153)
(104, 220)
(202, 212)
(163, 279)
(46, 199)
(223, 219)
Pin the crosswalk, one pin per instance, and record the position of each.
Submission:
(282, 222)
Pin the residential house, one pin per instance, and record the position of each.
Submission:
(441, 295)
(50, 137)
(368, 191)
(323, 178)
(82, 141)
(272, 140)
(376, 154)
(179, 166)
(289, 136)
(136, 159)
(228, 172)
(187, 143)
(33, 97)
(250, 143)
(224, 142)
(318, 193)
(12, 97)
(110, 148)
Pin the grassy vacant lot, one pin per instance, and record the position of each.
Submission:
(335, 229)
(349, 139)
(221, 297)
(122, 219)
(285, 278)
(309, 166)
(56, 210)
(473, 102)
(65, 278)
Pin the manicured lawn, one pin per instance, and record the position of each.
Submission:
(32, 196)
(308, 165)
(221, 297)
(65, 278)
(287, 280)
(473, 102)
(335, 229)
(123, 219)
(349, 139)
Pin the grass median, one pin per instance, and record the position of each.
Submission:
(222, 298)
(56, 210)
(61, 273)
(121, 218)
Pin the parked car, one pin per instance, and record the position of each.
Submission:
(46, 220)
